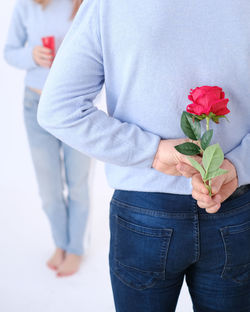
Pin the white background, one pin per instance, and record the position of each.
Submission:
(26, 285)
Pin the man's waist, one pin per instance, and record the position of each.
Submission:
(240, 191)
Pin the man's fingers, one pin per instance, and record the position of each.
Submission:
(162, 167)
(227, 189)
(205, 201)
(184, 159)
(186, 170)
(198, 184)
(217, 183)
(213, 209)
(207, 204)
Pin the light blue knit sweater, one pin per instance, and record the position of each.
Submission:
(149, 54)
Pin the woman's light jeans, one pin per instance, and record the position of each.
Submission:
(57, 165)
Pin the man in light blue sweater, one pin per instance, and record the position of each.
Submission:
(150, 54)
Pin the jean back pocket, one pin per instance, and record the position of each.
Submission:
(236, 240)
(140, 253)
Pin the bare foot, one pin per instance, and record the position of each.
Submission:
(70, 265)
(56, 260)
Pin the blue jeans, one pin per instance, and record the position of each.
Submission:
(158, 239)
(67, 214)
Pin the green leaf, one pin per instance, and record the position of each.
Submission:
(213, 157)
(206, 139)
(199, 117)
(191, 127)
(212, 174)
(197, 166)
(188, 149)
(216, 118)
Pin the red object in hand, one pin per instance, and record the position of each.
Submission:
(49, 42)
(207, 100)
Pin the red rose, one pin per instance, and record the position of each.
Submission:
(208, 100)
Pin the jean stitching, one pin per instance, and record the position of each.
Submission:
(139, 270)
(164, 251)
(226, 254)
(164, 247)
(227, 264)
(165, 232)
(132, 285)
(223, 214)
(196, 233)
(241, 228)
(240, 231)
(188, 215)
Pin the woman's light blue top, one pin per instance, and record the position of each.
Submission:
(149, 54)
(30, 22)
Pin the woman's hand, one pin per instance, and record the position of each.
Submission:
(168, 160)
(43, 56)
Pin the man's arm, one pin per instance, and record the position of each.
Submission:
(240, 157)
(66, 108)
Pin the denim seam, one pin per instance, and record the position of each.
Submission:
(166, 239)
(227, 265)
(223, 214)
(240, 231)
(226, 255)
(188, 215)
(242, 228)
(196, 233)
(185, 215)
(166, 234)
(164, 251)
(132, 285)
(139, 270)
(164, 248)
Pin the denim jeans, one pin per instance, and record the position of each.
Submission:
(67, 214)
(157, 239)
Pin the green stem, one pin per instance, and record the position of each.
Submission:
(209, 187)
(207, 119)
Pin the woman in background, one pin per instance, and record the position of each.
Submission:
(31, 21)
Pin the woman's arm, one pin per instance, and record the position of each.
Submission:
(66, 108)
(17, 51)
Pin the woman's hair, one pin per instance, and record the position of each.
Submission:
(76, 5)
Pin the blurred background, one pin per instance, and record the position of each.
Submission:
(26, 284)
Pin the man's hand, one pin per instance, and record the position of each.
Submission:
(222, 187)
(167, 159)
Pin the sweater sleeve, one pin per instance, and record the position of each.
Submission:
(240, 157)
(66, 107)
(17, 51)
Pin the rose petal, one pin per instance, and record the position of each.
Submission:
(195, 109)
(196, 93)
(208, 99)
(222, 95)
(220, 107)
